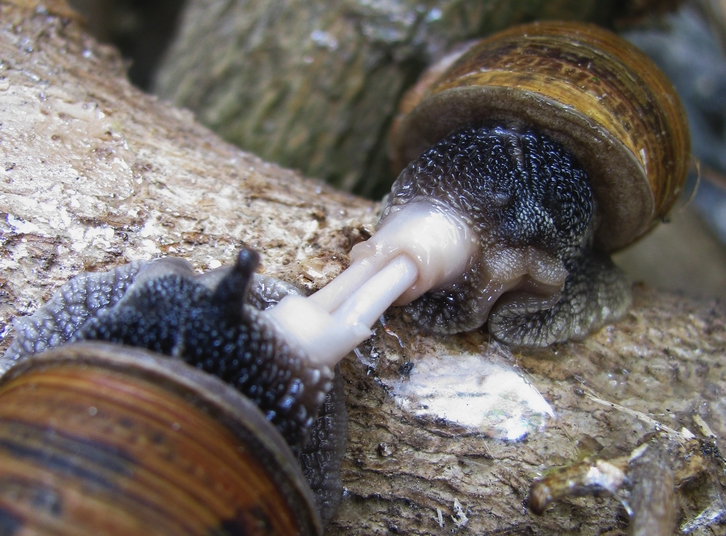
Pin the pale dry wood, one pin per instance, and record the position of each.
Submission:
(315, 85)
(95, 173)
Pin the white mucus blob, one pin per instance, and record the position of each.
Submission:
(482, 393)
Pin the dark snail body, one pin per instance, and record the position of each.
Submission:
(517, 189)
(321, 457)
(215, 332)
(163, 307)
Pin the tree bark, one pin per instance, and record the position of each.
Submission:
(315, 85)
(95, 174)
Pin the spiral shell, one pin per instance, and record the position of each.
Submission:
(586, 88)
(108, 439)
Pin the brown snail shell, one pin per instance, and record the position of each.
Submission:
(107, 439)
(589, 90)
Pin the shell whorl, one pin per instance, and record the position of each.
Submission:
(584, 87)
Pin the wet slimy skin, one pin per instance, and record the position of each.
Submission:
(533, 273)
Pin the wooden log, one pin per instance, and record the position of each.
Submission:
(314, 86)
(94, 173)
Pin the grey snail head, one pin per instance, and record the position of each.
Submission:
(214, 323)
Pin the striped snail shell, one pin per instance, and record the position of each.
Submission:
(586, 88)
(98, 438)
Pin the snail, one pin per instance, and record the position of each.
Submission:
(527, 158)
(557, 143)
(145, 348)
